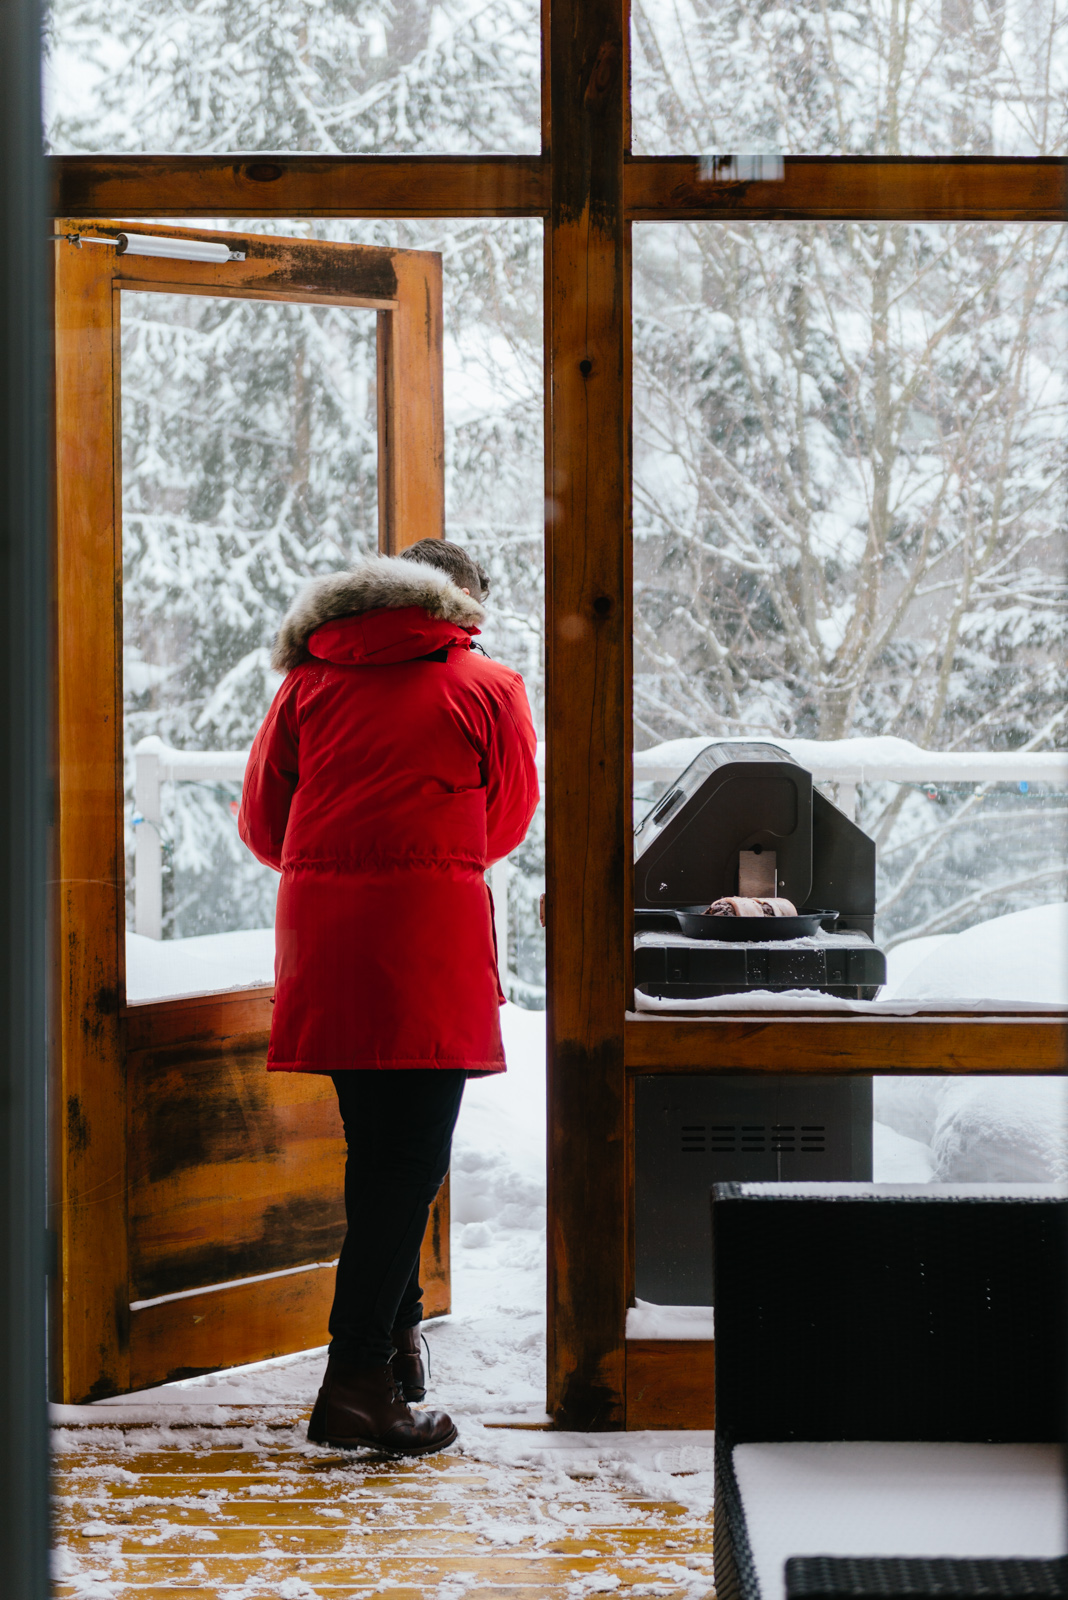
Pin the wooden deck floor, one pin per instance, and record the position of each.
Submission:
(249, 1510)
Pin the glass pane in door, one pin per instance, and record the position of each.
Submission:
(249, 464)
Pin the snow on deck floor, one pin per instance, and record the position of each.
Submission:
(252, 1511)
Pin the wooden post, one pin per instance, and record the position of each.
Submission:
(92, 1355)
(411, 406)
(587, 724)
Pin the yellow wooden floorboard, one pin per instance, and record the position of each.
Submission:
(259, 1515)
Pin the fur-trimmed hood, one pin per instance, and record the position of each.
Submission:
(379, 583)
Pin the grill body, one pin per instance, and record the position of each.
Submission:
(692, 1132)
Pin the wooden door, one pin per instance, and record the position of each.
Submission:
(199, 1200)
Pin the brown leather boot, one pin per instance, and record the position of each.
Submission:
(408, 1363)
(364, 1406)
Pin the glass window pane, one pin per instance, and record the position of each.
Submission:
(872, 77)
(330, 77)
(850, 539)
(969, 1130)
(249, 464)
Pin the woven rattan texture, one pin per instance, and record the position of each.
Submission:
(916, 1578)
(912, 1318)
(732, 1558)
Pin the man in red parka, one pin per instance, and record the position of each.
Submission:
(394, 766)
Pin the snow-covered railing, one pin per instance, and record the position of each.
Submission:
(850, 762)
(154, 764)
(843, 762)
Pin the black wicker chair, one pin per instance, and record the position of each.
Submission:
(881, 1313)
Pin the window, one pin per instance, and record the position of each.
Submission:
(938, 77)
(250, 460)
(413, 76)
(851, 535)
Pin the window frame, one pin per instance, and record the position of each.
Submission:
(590, 190)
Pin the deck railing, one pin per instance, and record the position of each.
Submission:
(845, 763)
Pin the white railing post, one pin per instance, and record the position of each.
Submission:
(845, 798)
(498, 876)
(148, 846)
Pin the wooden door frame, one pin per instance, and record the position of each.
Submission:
(91, 1320)
(590, 189)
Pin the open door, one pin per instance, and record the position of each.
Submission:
(199, 1199)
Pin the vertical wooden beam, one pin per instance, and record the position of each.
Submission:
(89, 1095)
(411, 406)
(588, 611)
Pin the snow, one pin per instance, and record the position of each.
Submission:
(870, 757)
(646, 1321)
(488, 1356)
(898, 1500)
(794, 1000)
(487, 1359)
(905, 958)
(903, 1191)
(1022, 956)
(898, 1159)
(211, 963)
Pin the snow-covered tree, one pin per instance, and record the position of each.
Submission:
(322, 75)
(864, 77)
(850, 517)
(849, 479)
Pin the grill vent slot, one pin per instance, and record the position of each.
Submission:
(752, 1138)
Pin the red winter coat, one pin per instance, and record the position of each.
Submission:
(381, 785)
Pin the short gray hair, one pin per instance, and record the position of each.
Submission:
(465, 572)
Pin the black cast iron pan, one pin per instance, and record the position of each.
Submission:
(692, 921)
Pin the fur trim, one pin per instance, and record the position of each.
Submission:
(375, 584)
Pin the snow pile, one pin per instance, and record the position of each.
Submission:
(971, 1130)
(1022, 956)
(489, 1356)
(647, 1321)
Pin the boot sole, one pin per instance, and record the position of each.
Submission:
(386, 1449)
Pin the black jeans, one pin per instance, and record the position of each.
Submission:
(398, 1129)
